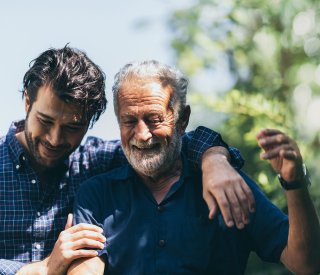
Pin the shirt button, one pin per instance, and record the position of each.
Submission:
(160, 208)
(38, 246)
(162, 243)
(17, 166)
(63, 184)
(38, 214)
(33, 181)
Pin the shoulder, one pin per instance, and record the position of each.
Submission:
(268, 227)
(102, 181)
(95, 154)
(100, 192)
(10, 148)
(256, 190)
(3, 145)
(95, 147)
(5, 157)
(2, 140)
(96, 142)
(267, 214)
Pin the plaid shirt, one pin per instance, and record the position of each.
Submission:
(32, 214)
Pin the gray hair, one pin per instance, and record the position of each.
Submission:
(152, 69)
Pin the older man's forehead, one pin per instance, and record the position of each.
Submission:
(151, 85)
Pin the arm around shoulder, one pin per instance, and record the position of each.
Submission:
(197, 142)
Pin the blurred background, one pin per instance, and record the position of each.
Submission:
(251, 65)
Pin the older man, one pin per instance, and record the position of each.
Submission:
(152, 211)
(42, 165)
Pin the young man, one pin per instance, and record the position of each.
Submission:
(43, 164)
(152, 211)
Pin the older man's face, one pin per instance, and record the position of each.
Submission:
(150, 138)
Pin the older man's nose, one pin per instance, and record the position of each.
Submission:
(142, 131)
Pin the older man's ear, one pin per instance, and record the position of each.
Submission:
(184, 119)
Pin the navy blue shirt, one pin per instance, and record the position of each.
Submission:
(175, 236)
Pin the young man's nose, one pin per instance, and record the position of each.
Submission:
(55, 136)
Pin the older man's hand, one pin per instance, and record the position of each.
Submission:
(223, 187)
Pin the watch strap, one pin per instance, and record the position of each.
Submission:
(293, 185)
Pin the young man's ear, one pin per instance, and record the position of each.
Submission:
(184, 119)
(26, 101)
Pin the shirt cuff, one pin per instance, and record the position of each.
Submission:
(8, 267)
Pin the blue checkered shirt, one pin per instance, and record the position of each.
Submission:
(32, 214)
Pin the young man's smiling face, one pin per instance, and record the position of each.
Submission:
(53, 128)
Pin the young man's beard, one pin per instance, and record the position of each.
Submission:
(34, 154)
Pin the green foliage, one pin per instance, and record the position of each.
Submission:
(266, 46)
(270, 52)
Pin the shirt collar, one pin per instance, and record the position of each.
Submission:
(131, 175)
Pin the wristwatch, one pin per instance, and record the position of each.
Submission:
(305, 181)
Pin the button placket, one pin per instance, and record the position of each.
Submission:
(161, 234)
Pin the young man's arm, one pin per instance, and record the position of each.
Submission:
(223, 187)
(302, 253)
(79, 241)
(106, 155)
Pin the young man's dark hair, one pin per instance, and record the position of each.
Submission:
(73, 77)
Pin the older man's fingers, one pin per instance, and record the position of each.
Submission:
(268, 132)
(289, 154)
(273, 141)
(277, 151)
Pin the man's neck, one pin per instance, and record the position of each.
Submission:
(160, 184)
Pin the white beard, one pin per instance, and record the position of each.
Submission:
(154, 157)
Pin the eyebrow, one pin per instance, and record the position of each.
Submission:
(44, 115)
(80, 123)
